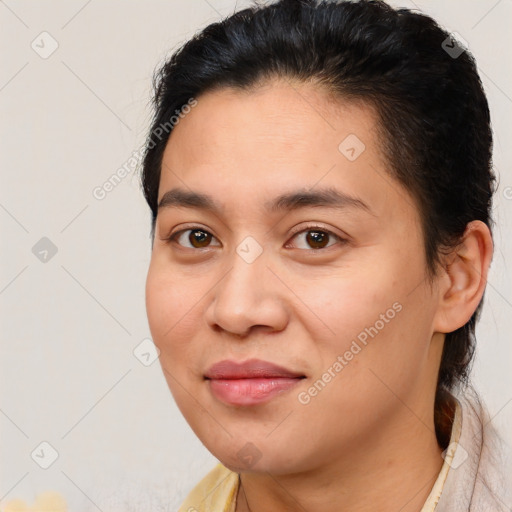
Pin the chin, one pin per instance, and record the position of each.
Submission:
(243, 456)
(261, 467)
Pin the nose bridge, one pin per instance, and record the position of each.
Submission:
(245, 296)
(245, 285)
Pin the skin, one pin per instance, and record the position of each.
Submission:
(367, 440)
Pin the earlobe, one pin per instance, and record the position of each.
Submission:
(465, 278)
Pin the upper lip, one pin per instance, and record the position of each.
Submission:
(250, 369)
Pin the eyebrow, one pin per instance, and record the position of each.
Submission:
(324, 197)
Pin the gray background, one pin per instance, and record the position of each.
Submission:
(70, 323)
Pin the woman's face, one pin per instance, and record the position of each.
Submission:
(302, 252)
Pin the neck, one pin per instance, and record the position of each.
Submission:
(393, 471)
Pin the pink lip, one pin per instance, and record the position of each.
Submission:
(251, 382)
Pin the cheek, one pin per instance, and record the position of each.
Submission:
(344, 305)
(172, 322)
(369, 311)
(171, 306)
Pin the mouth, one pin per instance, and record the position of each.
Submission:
(251, 382)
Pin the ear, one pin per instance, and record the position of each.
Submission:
(463, 279)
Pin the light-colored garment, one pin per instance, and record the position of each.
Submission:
(480, 479)
(473, 477)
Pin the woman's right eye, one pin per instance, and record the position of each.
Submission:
(197, 238)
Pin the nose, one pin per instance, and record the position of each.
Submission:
(248, 297)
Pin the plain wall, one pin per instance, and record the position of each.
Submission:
(69, 325)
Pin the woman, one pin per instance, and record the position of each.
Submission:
(319, 176)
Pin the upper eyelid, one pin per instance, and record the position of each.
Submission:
(312, 226)
(193, 227)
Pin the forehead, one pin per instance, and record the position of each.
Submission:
(252, 145)
(278, 119)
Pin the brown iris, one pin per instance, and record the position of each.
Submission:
(198, 237)
(317, 239)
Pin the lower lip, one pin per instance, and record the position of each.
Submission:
(250, 391)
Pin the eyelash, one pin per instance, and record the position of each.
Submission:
(313, 227)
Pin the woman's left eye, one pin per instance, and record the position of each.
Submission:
(317, 238)
(198, 238)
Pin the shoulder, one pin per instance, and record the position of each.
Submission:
(216, 491)
(477, 478)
